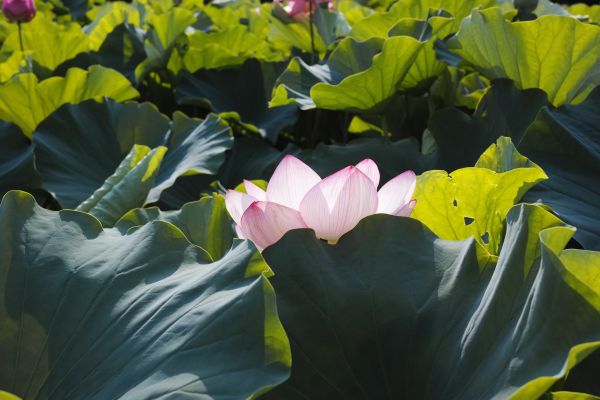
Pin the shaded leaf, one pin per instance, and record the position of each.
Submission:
(143, 315)
(244, 90)
(565, 142)
(394, 312)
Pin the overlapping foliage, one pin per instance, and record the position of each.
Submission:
(127, 121)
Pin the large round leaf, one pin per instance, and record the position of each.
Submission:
(87, 313)
(393, 312)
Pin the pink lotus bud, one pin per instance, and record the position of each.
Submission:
(299, 8)
(19, 10)
(297, 197)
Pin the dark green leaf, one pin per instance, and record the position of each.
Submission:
(87, 313)
(393, 312)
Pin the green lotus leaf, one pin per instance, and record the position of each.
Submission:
(26, 102)
(572, 396)
(474, 201)
(226, 48)
(378, 24)
(392, 311)
(565, 142)
(205, 223)
(11, 66)
(106, 18)
(244, 90)
(50, 43)
(79, 146)
(286, 33)
(127, 188)
(143, 315)
(592, 12)
(358, 76)
(164, 31)
(524, 52)
(8, 396)
(196, 147)
(16, 160)
(392, 158)
(502, 111)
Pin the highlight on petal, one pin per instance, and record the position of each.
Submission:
(265, 223)
(236, 203)
(369, 168)
(291, 180)
(407, 209)
(255, 191)
(336, 204)
(397, 193)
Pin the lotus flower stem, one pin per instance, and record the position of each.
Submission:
(312, 31)
(27, 59)
(20, 36)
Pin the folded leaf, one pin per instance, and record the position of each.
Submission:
(128, 187)
(205, 223)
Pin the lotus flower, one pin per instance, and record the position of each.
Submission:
(297, 8)
(297, 197)
(19, 10)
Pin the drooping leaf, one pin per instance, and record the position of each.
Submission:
(391, 311)
(502, 111)
(79, 146)
(195, 147)
(474, 201)
(16, 160)
(205, 222)
(244, 90)
(143, 315)
(358, 76)
(127, 188)
(565, 142)
(26, 102)
(526, 52)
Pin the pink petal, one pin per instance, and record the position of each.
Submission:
(255, 191)
(369, 168)
(236, 203)
(290, 182)
(407, 209)
(239, 232)
(265, 223)
(338, 203)
(297, 7)
(397, 193)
